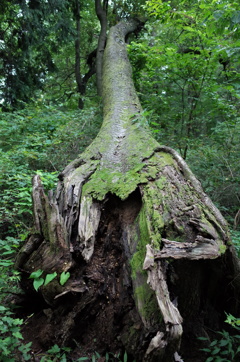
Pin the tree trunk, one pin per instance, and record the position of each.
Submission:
(81, 80)
(150, 260)
(101, 11)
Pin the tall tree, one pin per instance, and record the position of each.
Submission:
(32, 35)
(101, 11)
(146, 253)
(27, 45)
(81, 79)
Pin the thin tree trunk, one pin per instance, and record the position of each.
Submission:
(81, 80)
(101, 11)
(78, 76)
(149, 255)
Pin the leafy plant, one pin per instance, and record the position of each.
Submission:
(64, 277)
(9, 277)
(233, 321)
(235, 235)
(11, 345)
(56, 354)
(39, 280)
(225, 348)
(109, 357)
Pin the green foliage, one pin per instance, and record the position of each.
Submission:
(235, 235)
(233, 321)
(9, 277)
(11, 345)
(64, 277)
(214, 160)
(38, 50)
(56, 354)
(39, 140)
(186, 68)
(39, 280)
(225, 348)
(109, 357)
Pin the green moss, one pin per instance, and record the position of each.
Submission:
(143, 239)
(143, 294)
(152, 199)
(222, 249)
(147, 303)
(161, 183)
(116, 182)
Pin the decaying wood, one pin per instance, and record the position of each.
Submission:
(202, 248)
(172, 318)
(132, 225)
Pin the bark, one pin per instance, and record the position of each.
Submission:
(101, 11)
(81, 80)
(150, 258)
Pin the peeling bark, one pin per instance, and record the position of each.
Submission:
(147, 250)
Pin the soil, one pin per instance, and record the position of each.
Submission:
(38, 330)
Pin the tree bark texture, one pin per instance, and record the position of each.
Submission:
(81, 80)
(150, 259)
(101, 11)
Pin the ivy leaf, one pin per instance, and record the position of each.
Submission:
(64, 277)
(37, 283)
(49, 278)
(36, 274)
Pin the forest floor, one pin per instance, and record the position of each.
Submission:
(38, 330)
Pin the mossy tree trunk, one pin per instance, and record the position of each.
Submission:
(150, 260)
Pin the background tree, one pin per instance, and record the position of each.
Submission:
(33, 35)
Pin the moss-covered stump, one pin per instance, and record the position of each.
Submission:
(150, 261)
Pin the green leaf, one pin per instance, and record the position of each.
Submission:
(223, 342)
(209, 359)
(216, 350)
(49, 278)
(3, 309)
(214, 343)
(205, 350)
(54, 349)
(18, 335)
(125, 357)
(64, 277)
(36, 274)
(188, 28)
(63, 358)
(38, 283)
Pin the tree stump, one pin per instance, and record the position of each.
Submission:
(150, 259)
